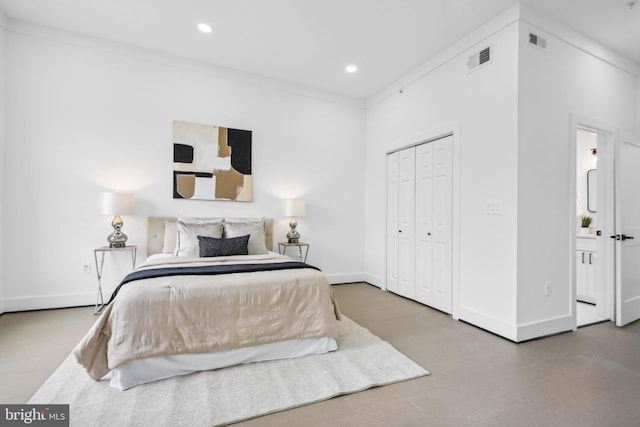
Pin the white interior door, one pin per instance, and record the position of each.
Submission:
(425, 288)
(627, 201)
(392, 221)
(434, 202)
(605, 247)
(443, 219)
(406, 223)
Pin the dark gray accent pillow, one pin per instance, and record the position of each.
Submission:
(210, 246)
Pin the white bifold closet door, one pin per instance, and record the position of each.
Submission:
(419, 218)
(434, 201)
(406, 223)
(401, 222)
(393, 182)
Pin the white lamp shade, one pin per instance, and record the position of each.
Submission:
(293, 207)
(116, 203)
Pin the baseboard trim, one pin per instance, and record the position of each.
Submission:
(497, 326)
(543, 328)
(373, 280)
(43, 302)
(336, 279)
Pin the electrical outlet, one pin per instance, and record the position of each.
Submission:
(86, 268)
(547, 288)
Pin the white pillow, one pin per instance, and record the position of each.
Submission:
(255, 228)
(244, 220)
(187, 245)
(170, 232)
(193, 220)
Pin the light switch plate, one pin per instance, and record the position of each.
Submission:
(494, 207)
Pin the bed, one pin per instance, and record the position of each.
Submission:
(211, 294)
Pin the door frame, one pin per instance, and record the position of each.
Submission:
(605, 266)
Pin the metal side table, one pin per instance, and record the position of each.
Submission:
(99, 267)
(282, 249)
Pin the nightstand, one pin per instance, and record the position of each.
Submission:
(282, 248)
(102, 250)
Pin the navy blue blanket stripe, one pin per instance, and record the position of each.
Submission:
(210, 270)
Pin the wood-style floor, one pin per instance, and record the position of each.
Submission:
(586, 378)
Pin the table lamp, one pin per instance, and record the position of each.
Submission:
(116, 204)
(293, 208)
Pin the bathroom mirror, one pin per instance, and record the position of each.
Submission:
(591, 190)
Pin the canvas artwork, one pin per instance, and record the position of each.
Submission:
(211, 162)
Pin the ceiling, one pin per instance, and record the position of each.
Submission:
(311, 42)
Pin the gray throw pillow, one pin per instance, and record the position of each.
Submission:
(210, 246)
(254, 228)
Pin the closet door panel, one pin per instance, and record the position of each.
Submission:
(406, 222)
(424, 224)
(434, 200)
(442, 222)
(392, 221)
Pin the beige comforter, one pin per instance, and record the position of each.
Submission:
(185, 314)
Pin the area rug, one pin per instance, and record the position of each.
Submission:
(232, 394)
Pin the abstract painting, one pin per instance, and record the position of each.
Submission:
(211, 162)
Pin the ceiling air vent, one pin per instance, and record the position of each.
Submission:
(479, 58)
(537, 41)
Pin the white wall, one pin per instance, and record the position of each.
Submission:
(84, 116)
(3, 23)
(512, 120)
(573, 75)
(481, 108)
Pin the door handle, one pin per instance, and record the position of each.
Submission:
(622, 237)
(583, 257)
(590, 254)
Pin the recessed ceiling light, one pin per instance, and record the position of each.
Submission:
(351, 68)
(205, 28)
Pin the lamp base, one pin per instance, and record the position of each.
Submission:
(117, 239)
(293, 236)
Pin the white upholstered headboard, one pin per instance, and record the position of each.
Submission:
(155, 233)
